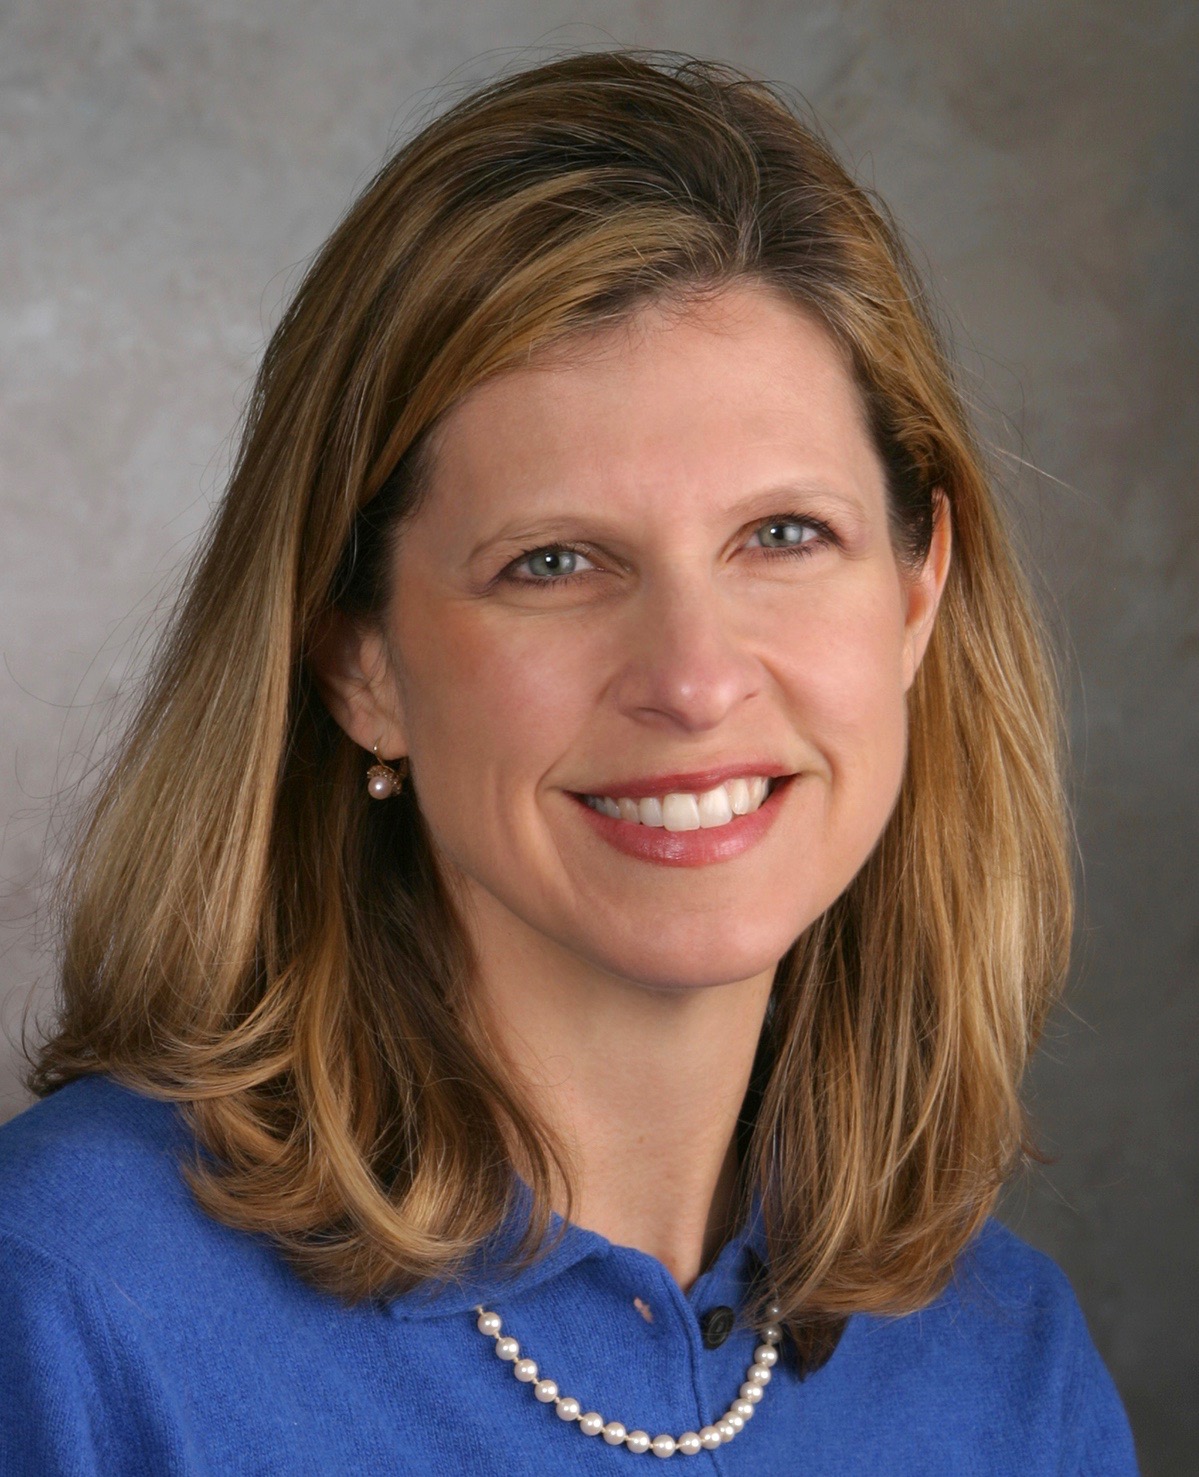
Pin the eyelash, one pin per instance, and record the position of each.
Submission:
(824, 538)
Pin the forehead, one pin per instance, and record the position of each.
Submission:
(707, 397)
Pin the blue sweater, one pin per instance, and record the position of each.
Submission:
(138, 1335)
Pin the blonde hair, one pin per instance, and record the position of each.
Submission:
(246, 935)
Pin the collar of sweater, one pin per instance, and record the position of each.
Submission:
(485, 1278)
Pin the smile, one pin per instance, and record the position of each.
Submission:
(683, 811)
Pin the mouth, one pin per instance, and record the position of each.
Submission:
(688, 810)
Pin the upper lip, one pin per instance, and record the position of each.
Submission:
(694, 782)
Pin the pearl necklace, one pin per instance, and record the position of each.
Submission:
(757, 1377)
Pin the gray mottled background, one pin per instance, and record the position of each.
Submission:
(167, 166)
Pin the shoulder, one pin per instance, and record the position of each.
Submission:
(1028, 1303)
(110, 1274)
(84, 1166)
(1005, 1350)
(91, 1182)
(1016, 1311)
(1004, 1300)
(1016, 1291)
(139, 1334)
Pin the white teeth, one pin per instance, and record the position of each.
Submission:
(715, 808)
(684, 812)
(651, 811)
(680, 813)
(739, 797)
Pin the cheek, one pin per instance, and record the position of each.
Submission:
(848, 684)
(497, 701)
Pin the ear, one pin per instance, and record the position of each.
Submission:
(353, 673)
(924, 588)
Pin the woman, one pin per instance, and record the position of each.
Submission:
(586, 878)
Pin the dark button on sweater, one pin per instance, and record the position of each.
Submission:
(716, 1325)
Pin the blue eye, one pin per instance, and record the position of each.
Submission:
(551, 565)
(793, 532)
(558, 564)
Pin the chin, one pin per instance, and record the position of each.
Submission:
(716, 948)
(694, 965)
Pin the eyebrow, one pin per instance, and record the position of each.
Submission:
(556, 523)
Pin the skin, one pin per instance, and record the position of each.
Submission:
(629, 996)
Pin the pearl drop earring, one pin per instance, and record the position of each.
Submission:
(382, 782)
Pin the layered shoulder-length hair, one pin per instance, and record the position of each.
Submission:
(246, 934)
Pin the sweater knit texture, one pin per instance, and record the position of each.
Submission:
(140, 1336)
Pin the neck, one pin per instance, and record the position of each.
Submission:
(643, 1088)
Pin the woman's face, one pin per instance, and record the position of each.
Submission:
(642, 567)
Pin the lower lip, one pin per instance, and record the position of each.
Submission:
(688, 848)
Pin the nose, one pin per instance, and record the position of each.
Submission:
(688, 658)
